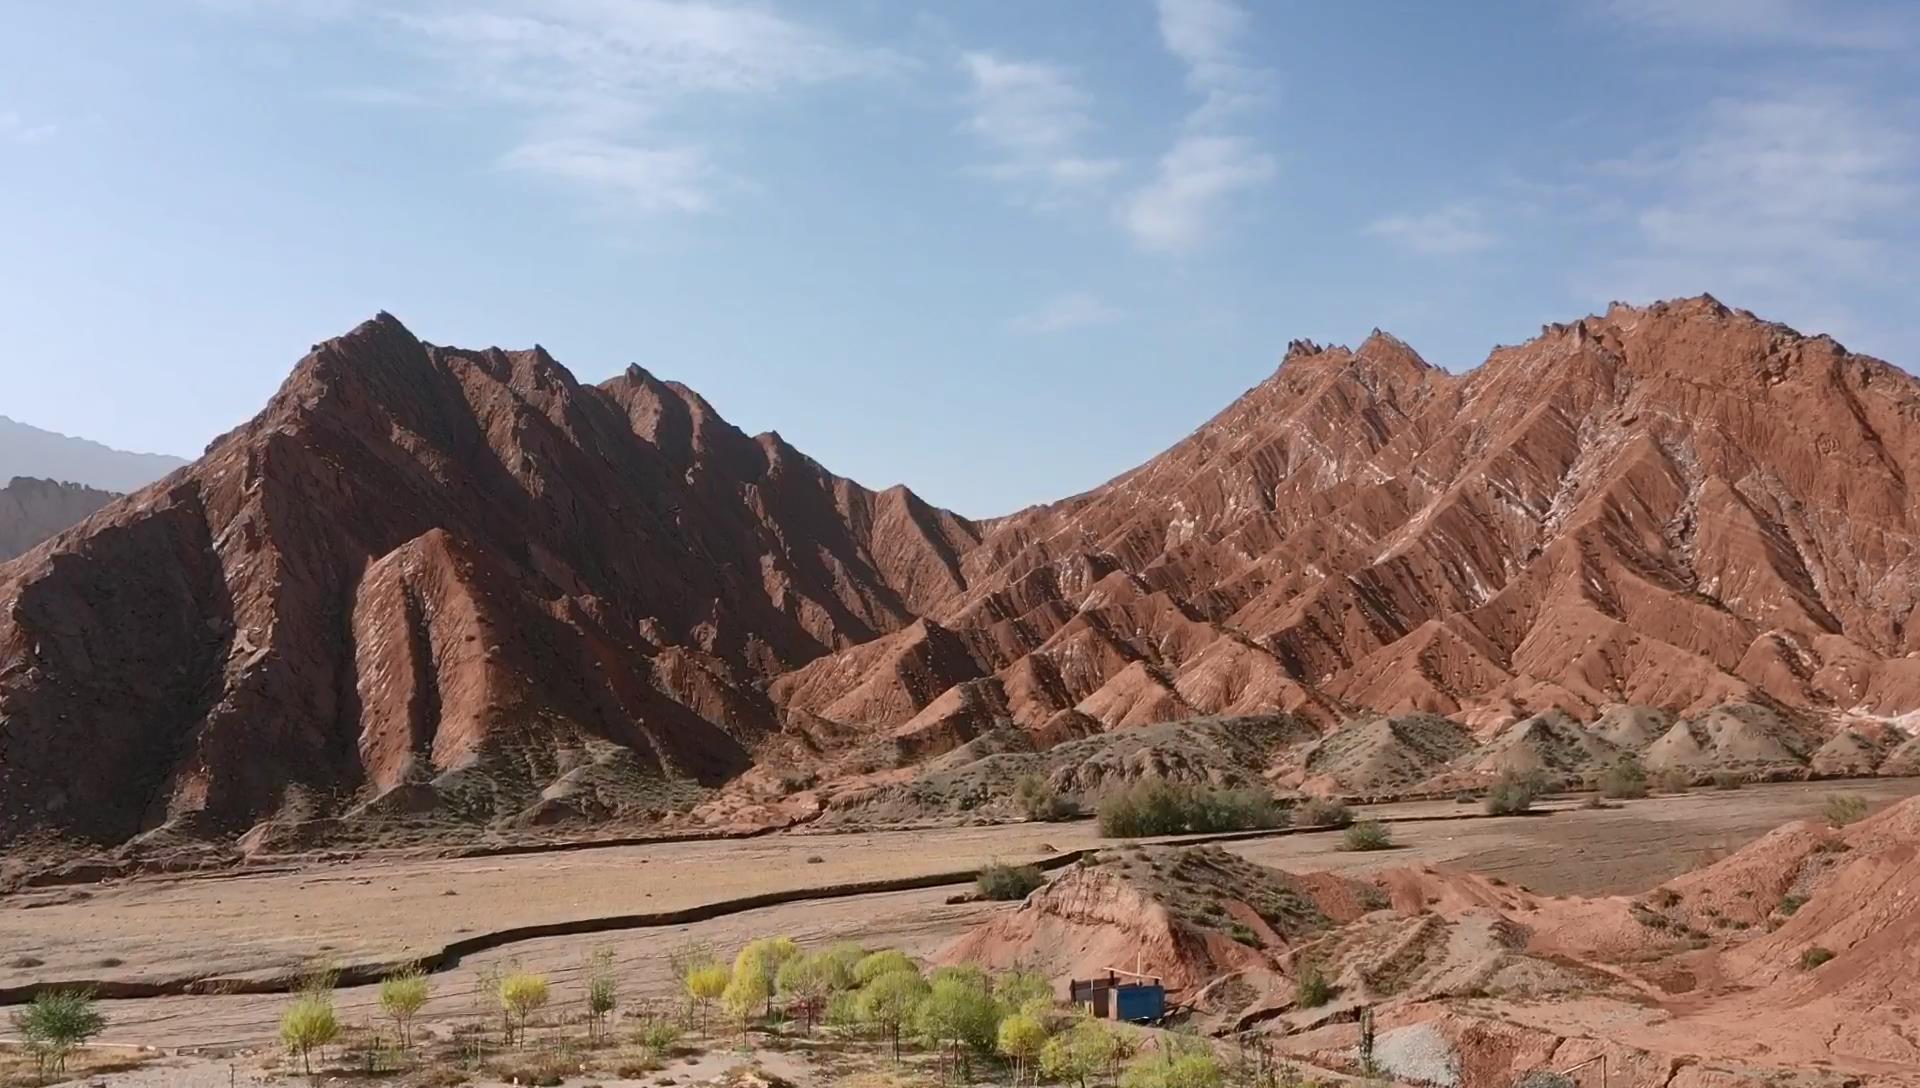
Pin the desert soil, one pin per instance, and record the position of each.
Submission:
(273, 920)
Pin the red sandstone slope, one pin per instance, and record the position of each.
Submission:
(426, 564)
(420, 560)
(1672, 506)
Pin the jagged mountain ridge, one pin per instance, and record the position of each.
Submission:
(467, 572)
(29, 451)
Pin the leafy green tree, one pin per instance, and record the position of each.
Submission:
(958, 1019)
(54, 1023)
(890, 1001)
(1023, 991)
(885, 961)
(705, 985)
(308, 1024)
(1087, 1049)
(402, 996)
(745, 993)
(762, 958)
(1021, 1037)
(522, 993)
(806, 981)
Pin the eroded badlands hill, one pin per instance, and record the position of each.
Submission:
(466, 574)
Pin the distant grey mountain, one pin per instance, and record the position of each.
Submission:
(32, 452)
(33, 510)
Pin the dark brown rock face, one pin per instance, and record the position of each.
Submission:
(419, 560)
(421, 564)
(32, 510)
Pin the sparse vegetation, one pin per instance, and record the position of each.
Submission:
(1322, 812)
(1814, 957)
(1008, 882)
(54, 1023)
(603, 993)
(1244, 933)
(1154, 806)
(1625, 779)
(1728, 780)
(1514, 794)
(1790, 905)
(1675, 780)
(1367, 835)
(1842, 809)
(1312, 990)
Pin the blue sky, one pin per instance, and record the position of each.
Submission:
(1000, 251)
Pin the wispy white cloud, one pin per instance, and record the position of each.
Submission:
(17, 129)
(1035, 116)
(1788, 204)
(598, 89)
(1195, 182)
(642, 179)
(1205, 35)
(1074, 310)
(1448, 231)
(1180, 207)
(1817, 23)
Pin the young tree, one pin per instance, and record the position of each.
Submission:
(402, 996)
(745, 992)
(885, 961)
(890, 1001)
(682, 961)
(1083, 1051)
(705, 985)
(522, 993)
(56, 1022)
(763, 958)
(958, 1018)
(308, 1024)
(806, 981)
(1023, 991)
(603, 993)
(1021, 1037)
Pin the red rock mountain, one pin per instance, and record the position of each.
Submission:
(466, 572)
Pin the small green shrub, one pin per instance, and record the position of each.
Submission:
(1625, 779)
(1312, 990)
(1814, 957)
(1244, 933)
(1367, 835)
(1322, 812)
(1039, 801)
(1513, 794)
(1007, 882)
(1790, 905)
(1154, 806)
(1728, 780)
(1842, 809)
